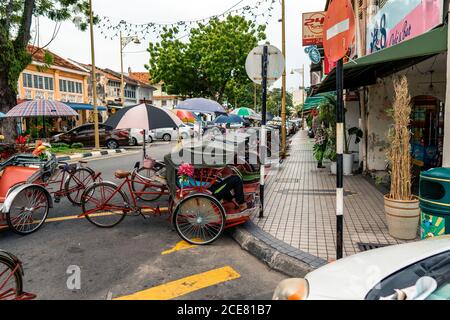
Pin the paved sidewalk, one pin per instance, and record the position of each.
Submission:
(300, 206)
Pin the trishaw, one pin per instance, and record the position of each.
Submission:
(11, 278)
(28, 185)
(196, 214)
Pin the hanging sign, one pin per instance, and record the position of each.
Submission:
(314, 54)
(313, 28)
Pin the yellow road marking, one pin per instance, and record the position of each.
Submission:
(186, 285)
(66, 218)
(182, 245)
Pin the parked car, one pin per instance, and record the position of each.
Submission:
(110, 138)
(419, 269)
(136, 137)
(169, 134)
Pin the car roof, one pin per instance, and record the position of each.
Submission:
(356, 275)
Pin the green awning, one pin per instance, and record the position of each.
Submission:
(365, 70)
(313, 102)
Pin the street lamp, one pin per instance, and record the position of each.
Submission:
(301, 71)
(124, 41)
(283, 80)
(94, 79)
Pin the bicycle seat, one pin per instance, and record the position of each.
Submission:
(120, 174)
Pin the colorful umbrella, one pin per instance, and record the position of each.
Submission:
(2, 115)
(201, 105)
(41, 108)
(185, 116)
(243, 112)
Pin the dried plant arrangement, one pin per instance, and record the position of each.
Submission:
(398, 154)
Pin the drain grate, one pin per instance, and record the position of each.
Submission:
(369, 246)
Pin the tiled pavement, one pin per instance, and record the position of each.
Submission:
(300, 206)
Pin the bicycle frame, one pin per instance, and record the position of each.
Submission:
(10, 293)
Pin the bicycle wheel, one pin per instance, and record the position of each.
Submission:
(199, 219)
(28, 210)
(11, 283)
(77, 183)
(139, 184)
(104, 205)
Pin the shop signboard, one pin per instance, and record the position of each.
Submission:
(313, 28)
(400, 20)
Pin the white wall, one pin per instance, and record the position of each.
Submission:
(380, 99)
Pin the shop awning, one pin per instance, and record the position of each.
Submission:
(84, 106)
(314, 102)
(365, 70)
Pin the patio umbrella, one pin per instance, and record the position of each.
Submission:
(232, 118)
(185, 116)
(41, 108)
(201, 105)
(2, 115)
(143, 116)
(243, 112)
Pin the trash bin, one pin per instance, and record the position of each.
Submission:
(434, 195)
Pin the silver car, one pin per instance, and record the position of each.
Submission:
(169, 134)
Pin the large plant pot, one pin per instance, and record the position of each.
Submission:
(402, 217)
(333, 167)
(348, 164)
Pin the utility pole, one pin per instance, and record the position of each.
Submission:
(122, 82)
(283, 80)
(94, 79)
(303, 96)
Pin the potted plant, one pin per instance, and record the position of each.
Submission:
(330, 152)
(357, 133)
(401, 207)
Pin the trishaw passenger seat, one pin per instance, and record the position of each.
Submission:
(120, 174)
(13, 175)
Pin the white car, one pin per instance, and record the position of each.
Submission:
(417, 270)
(136, 137)
(169, 134)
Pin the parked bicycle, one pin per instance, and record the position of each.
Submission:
(11, 278)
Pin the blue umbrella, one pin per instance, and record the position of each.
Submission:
(2, 115)
(201, 105)
(232, 118)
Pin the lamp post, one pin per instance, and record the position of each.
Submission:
(94, 79)
(124, 41)
(283, 80)
(301, 71)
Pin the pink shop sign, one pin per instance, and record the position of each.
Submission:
(392, 25)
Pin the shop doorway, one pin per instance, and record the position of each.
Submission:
(427, 127)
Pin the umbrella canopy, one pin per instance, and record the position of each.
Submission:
(144, 117)
(185, 116)
(269, 116)
(41, 108)
(243, 112)
(2, 115)
(232, 118)
(201, 105)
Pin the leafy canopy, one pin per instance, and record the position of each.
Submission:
(211, 63)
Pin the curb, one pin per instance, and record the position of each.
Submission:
(277, 254)
(95, 154)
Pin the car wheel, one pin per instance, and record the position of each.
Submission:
(184, 135)
(150, 139)
(167, 137)
(134, 142)
(112, 144)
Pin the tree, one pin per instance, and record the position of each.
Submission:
(16, 18)
(274, 102)
(211, 64)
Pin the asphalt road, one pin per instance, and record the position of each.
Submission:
(137, 255)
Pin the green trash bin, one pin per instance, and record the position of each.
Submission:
(434, 195)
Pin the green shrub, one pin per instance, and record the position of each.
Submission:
(77, 145)
(60, 145)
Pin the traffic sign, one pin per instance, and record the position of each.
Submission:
(339, 29)
(275, 67)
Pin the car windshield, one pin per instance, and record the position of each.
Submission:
(436, 267)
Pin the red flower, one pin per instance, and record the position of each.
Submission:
(186, 169)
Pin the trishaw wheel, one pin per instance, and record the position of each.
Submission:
(28, 210)
(199, 219)
(77, 183)
(104, 205)
(138, 184)
(11, 284)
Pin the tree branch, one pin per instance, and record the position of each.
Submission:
(23, 36)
